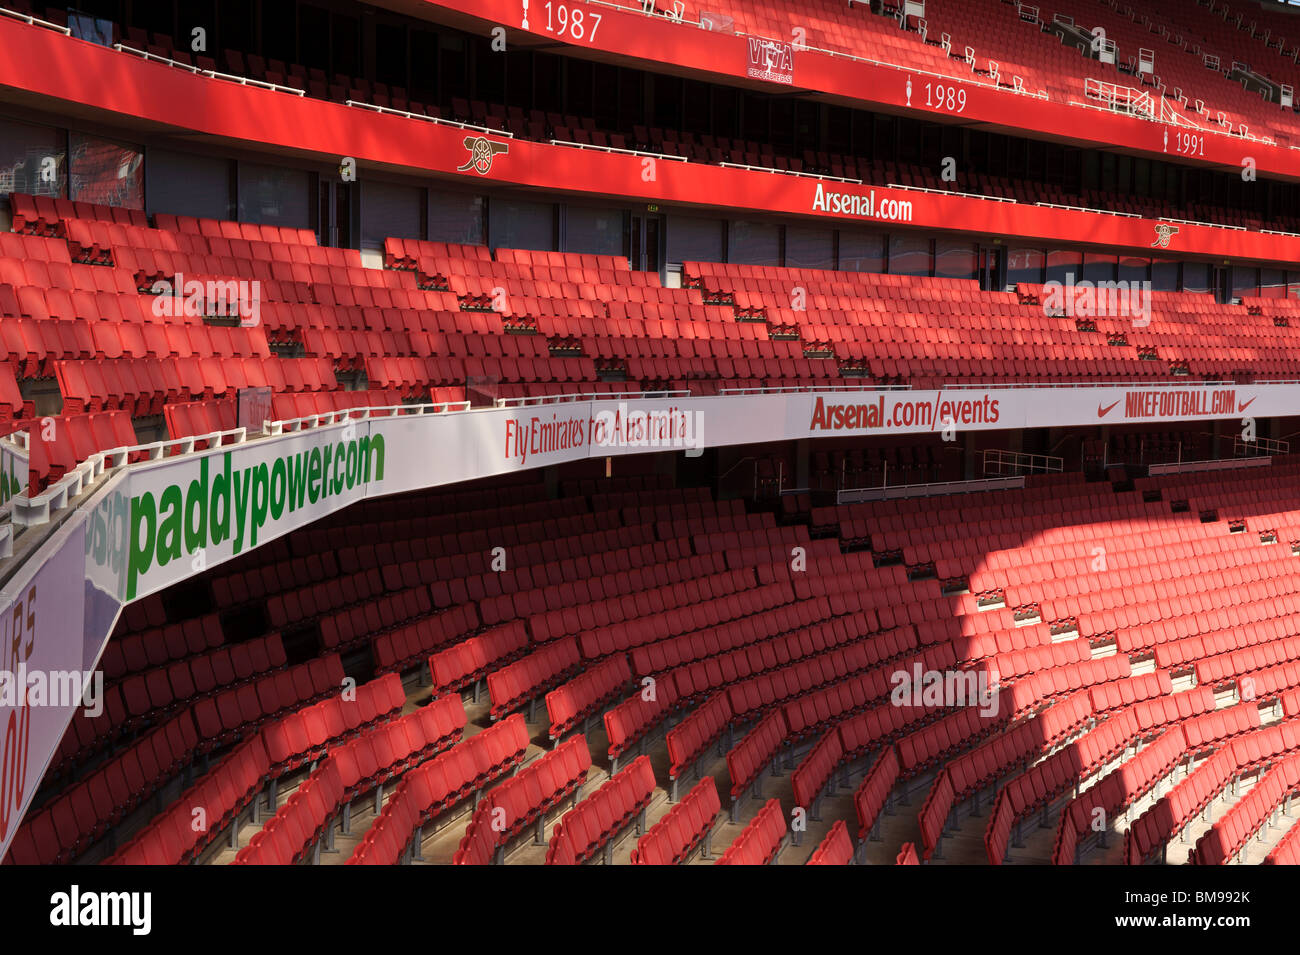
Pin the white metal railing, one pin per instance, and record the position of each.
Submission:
(29, 511)
(806, 389)
(999, 463)
(35, 21)
(788, 172)
(1259, 447)
(1206, 225)
(290, 425)
(530, 400)
(622, 152)
(211, 74)
(886, 492)
(949, 192)
(1102, 212)
(1213, 464)
(430, 119)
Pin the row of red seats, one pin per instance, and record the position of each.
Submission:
(398, 617)
(627, 724)
(523, 799)
(531, 676)
(594, 823)
(813, 713)
(968, 774)
(1116, 792)
(470, 660)
(406, 646)
(62, 442)
(144, 384)
(194, 821)
(586, 694)
(156, 646)
(859, 661)
(701, 728)
(33, 343)
(1173, 811)
(762, 839)
(1037, 787)
(872, 796)
(812, 617)
(234, 714)
(642, 591)
(61, 829)
(931, 745)
(638, 567)
(1228, 836)
(387, 751)
(434, 787)
(747, 673)
(144, 698)
(374, 585)
(44, 215)
(747, 760)
(1197, 647)
(689, 823)
(304, 735)
(226, 229)
(815, 770)
(1287, 850)
(836, 848)
(1270, 682)
(603, 641)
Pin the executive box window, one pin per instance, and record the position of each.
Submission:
(389, 210)
(1164, 275)
(1064, 266)
(188, 184)
(694, 240)
(456, 217)
(1196, 277)
(1134, 268)
(517, 224)
(1099, 268)
(955, 260)
(809, 248)
(594, 231)
(862, 252)
(33, 160)
(106, 173)
(274, 196)
(1026, 265)
(754, 243)
(1245, 281)
(910, 255)
(1272, 283)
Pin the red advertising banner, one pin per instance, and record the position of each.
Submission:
(770, 60)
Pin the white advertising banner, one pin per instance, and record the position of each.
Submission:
(45, 663)
(173, 518)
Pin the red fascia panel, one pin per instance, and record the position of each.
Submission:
(657, 41)
(46, 63)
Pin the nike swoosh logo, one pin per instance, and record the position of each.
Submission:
(1102, 412)
(1246, 404)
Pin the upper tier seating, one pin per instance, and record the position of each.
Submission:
(433, 328)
